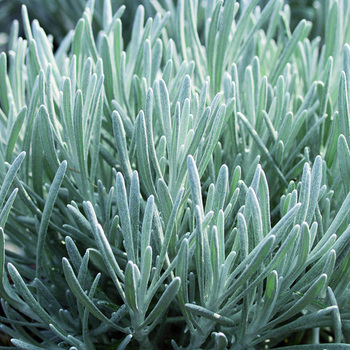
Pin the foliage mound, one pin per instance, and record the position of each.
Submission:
(185, 185)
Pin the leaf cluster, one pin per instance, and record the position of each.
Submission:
(186, 187)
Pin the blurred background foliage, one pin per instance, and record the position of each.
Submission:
(57, 17)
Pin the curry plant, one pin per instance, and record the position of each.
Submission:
(184, 185)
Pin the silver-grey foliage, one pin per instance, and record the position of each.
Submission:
(189, 188)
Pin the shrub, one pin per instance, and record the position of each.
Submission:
(187, 188)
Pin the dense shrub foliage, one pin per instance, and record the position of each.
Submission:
(179, 181)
